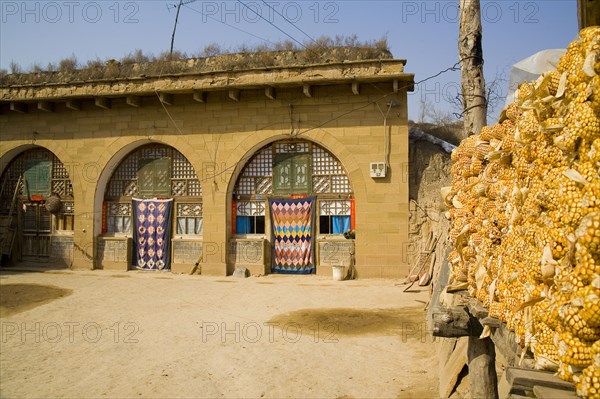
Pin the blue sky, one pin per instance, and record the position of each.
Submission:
(423, 32)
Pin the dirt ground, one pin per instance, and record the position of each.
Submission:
(99, 334)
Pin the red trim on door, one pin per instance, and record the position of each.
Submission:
(352, 215)
(233, 216)
(104, 217)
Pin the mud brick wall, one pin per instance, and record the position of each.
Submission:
(218, 131)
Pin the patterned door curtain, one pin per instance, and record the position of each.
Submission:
(292, 223)
(152, 234)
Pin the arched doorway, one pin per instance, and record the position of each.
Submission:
(152, 201)
(37, 208)
(292, 204)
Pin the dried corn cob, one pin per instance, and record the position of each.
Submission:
(528, 188)
(574, 351)
(588, 384)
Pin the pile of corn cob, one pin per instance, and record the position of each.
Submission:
(524, 207)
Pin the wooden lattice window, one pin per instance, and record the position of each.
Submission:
(189, 219)
(288, 168)
(328, 174)
(250, 208)
(123, 182)
(10, 178)
(65, 219)
(184, 179)
(118, 217)
(292, 174)
(335, 216)
(250, 217)
(256, 179)
(154, 177)
(154, 171)
(334, 208)
(61, 184)
(37, 175)
(42, 174)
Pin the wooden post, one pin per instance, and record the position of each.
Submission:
(481, 356)
(471, 67)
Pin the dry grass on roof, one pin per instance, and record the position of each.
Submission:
(211, 59)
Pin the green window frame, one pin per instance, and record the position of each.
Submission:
(38, 177)
(154, 177)
(292, 174)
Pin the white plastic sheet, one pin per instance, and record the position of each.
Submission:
(531, 68)
(418, 134)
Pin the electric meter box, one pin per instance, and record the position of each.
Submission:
(378, 169)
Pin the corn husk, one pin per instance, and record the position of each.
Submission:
(525, 211)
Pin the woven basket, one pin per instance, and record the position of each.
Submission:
(53, 204)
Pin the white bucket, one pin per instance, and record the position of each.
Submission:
(339, 272)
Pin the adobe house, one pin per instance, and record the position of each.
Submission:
(213, 161)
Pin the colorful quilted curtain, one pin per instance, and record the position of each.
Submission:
(292, 222)
(152, 234)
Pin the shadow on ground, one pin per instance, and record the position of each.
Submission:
(17, 298)
(352, 322)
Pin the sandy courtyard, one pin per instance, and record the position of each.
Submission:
(157, 335)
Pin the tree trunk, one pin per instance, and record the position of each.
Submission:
(481, 352)
(471, 67)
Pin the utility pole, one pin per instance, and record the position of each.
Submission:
(175, 26)
(481, 353)
(471, 67)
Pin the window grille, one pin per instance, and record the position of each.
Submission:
(250, 208)
(328, 174)
(334, 208)
(58, 176)
(250, 217)
(261, 164)
(177, 179)
(298, 147)
(340, 184)
(246, 186)
(280, 168)
(189, 218)
(118, 217)
(334, 216)
(324, 163)
(182, 168)
(65, 219)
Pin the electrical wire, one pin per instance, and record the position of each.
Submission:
(272, 24)
(231, 26)
(455, 67)
(289, 22)
(386, 136)
(247, 157)
(181, 3)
